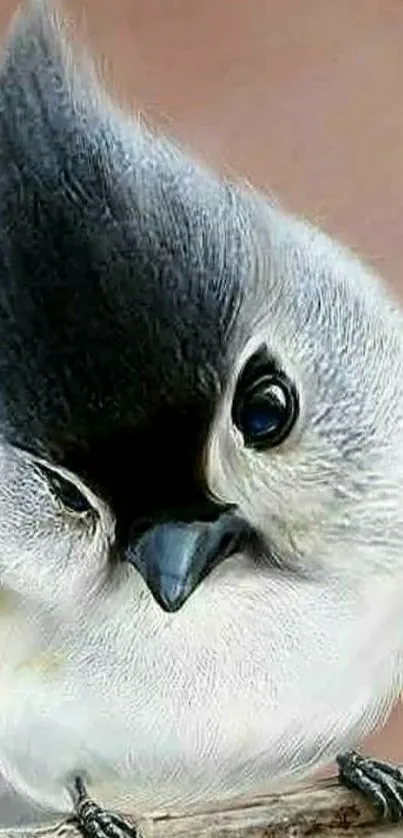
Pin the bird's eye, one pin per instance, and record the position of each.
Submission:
(70, 496)
(265, 409)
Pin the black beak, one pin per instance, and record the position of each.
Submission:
(174, 557)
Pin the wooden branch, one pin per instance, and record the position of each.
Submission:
(324, 809)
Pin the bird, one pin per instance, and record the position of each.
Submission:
(201, 467)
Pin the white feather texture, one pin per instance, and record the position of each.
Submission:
(268, 671)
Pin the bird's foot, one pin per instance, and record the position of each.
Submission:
(95, 822)
(380, 783)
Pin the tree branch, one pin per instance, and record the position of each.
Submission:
(324, 809)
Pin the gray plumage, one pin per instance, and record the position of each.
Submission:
(134, 287)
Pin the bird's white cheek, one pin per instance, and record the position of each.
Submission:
(53, 568)
(223, 457)
(234, 477)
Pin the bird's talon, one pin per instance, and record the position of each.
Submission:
(380, 783)
(95, 822)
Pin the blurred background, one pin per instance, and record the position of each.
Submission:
(303, 98)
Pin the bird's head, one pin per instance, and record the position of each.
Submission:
(190, 378)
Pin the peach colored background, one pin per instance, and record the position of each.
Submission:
(304, 97)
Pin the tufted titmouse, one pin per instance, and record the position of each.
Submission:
(201, 468)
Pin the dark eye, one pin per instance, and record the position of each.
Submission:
(67, 492)
(265, 409)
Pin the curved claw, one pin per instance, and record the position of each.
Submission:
(380, 783)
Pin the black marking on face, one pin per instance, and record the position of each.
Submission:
(118, 291)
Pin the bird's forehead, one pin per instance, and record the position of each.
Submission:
(116, 326)
(123, 263)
